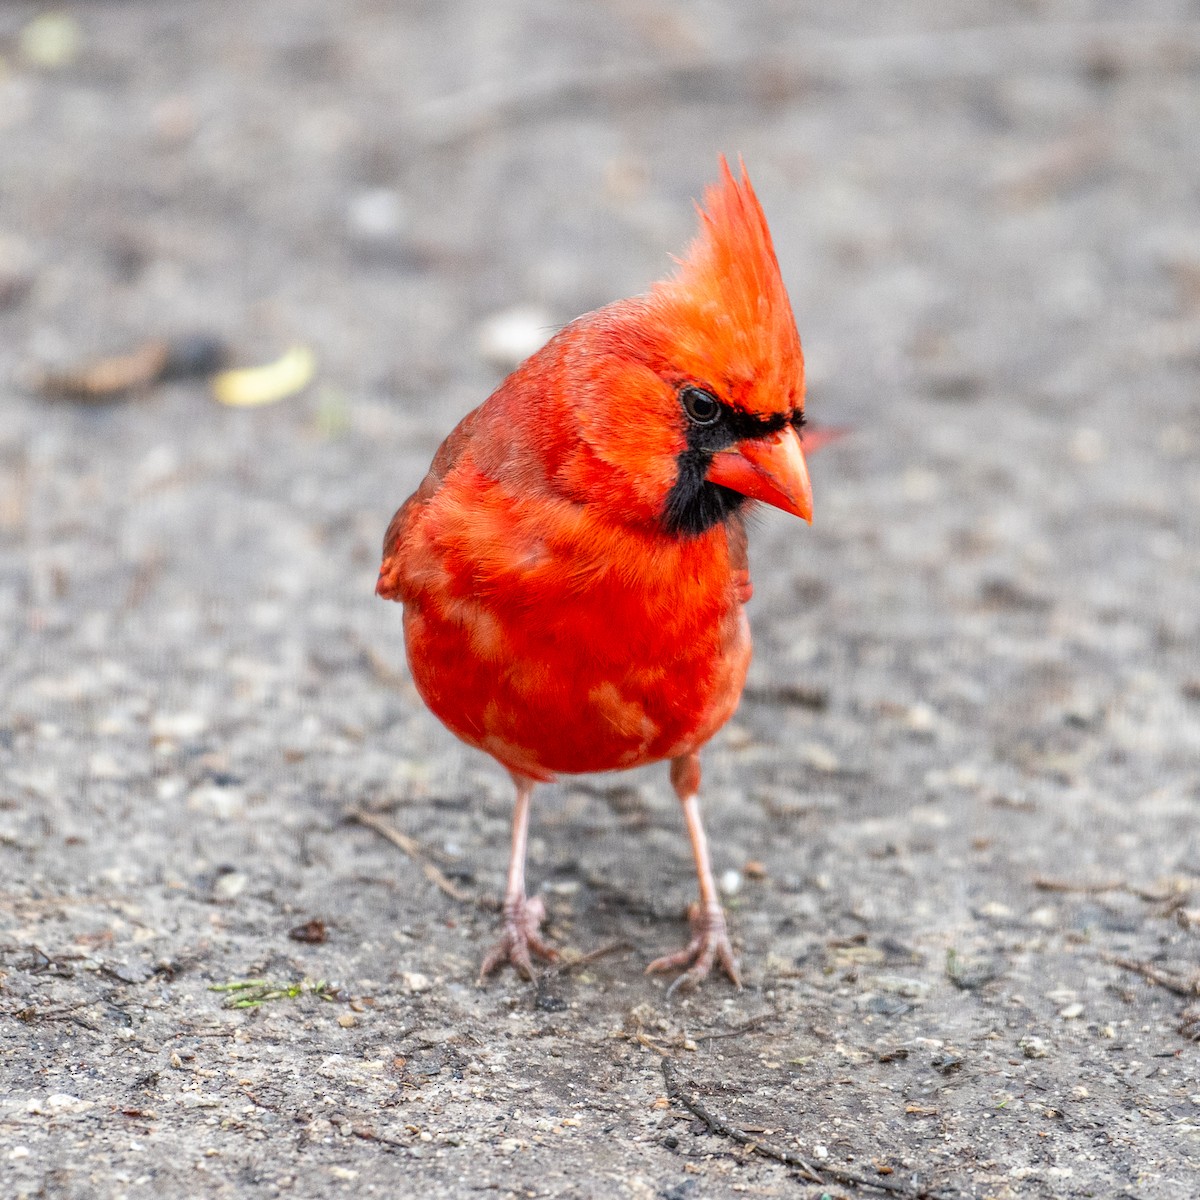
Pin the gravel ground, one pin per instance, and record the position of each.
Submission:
(956, 813)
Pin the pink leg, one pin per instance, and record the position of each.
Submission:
(522, 917)
(710, 938)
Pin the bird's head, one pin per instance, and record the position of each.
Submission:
(691, 398)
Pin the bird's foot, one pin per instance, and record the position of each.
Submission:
(710, 943)
(520, 937)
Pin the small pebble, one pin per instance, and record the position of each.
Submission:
(920, 484)
(230, 885)
(1033, 1047)
(376, 215)
(312, 932)
(730, 882)
(174, 120)
(920, 718)
(737, 737)
(510, 336)
(819, 757)
(903, 985)
(58, 1104)
(104, 766)
(224, 803)
(182, 724)
(1088, 447)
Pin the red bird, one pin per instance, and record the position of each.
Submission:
(573, 568)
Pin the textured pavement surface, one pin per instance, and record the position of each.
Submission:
(957, 812)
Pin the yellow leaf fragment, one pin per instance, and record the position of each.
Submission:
(247, 387)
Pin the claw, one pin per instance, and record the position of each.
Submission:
(709, 944)
(520, 936)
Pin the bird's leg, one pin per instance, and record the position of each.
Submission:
(522, 917)
(710, 938)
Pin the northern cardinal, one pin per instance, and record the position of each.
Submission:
(573, 568)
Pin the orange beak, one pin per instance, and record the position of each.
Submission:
(771, 469)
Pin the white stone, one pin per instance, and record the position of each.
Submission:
(510, 336)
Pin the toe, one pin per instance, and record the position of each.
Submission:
(729, 964)
(496, 957)
(673, 962)
(519, 941)
(542, 949)
(518, 955)
(709, 944)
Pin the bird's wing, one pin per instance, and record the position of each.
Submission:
(390, 585)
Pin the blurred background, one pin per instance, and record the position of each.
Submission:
(988, 229)
(978, 669)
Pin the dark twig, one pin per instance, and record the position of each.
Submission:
(67, 1012)
(1045, 884)
(1173, 899)
(716, 1125)
(787, 1157)
(575, 964)
(195, 1031)
(739, 1030)
(1189, 989)
(413, 849)
(788, 695)
(367, 1134)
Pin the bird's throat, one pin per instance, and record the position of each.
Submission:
(694, 505)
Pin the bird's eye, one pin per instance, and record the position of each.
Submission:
(702, 408)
